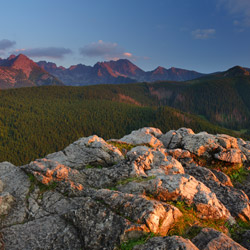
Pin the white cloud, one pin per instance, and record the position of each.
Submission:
(49, 52)
(105, 50)
(6, 44)
(203, 34)
(239, 9)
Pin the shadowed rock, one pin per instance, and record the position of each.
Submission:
(16, 187)
(167, 243)
(46, 233)
(209, 238)
(74, 210)
(236, 201)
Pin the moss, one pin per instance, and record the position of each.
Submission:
(42, 187)
(90, 166)
(128, 245)
(237, 230)
(236, 172)
(123, 147)
(239, 175)
(189, 225)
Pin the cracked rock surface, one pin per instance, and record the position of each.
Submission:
(94, 195)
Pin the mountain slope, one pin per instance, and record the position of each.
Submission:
(120, 71)
(222, 98)
(30, 115)
(20, 71)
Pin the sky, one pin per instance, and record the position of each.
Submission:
(202, 35)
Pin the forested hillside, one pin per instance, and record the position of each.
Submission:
(221, 100)
(41, 120)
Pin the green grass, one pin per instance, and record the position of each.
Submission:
(239, 175)
(90, 166)
(123, 147)
(42, 187)
(128, 245)
(238, 229)
(189, 225)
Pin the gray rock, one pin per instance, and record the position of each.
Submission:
(227, 141)
(17, 184)
(6, 201)
(223, 178)
(210, 239)
(158, 217)
(91, 150)
(145, 135)
(230, 155)
(246, 240)
(1, 186)
(186, 188)
(46, 233)
(221, 147)
(167, 243)
(236, 201)
(147, 162)
(179, 153)
(101, 228)
(48, 171)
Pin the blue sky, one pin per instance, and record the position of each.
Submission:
(203, 35)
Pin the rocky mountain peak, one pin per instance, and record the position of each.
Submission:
(160, 70)
(20, 71)
(144, 183)
(23, 63)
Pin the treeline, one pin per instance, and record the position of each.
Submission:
(42, 120)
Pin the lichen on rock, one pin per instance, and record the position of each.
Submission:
(92, 195)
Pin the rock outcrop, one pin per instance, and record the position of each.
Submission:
(92, 195)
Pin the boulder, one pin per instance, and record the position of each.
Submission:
(245, 242)
(6, 201)
(210, 239)
(172, 139)
(49, 232)
(227, 141)
(16, 186)
(183, 187)
(142, 136)
(167, 243)
(158, 217)
(236, 201)
(147, 162)
(91, 150)
(101, 228)
(223, 178)
(221, 147)
(231, 155)
(48, 171)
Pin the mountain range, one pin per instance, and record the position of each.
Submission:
(20, 71)
(115, 72)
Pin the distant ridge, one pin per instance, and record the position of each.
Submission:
(20, 71)
(115, 72)
(237, 71)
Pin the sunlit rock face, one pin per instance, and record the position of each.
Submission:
(147, 136)
(94, 195)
